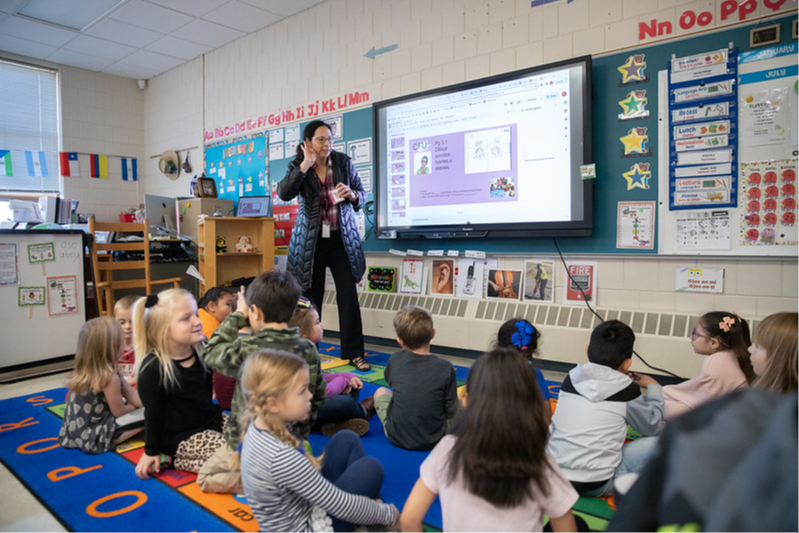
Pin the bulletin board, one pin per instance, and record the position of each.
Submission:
(42, 287)
(628, 150)
(762, 222)
(239, 166)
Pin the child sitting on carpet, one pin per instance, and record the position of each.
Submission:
(341, 409)
(493, 473)
(521, 334)
(97, 416)
(597, 402)
(724, 337)
(269, 304)
(287, 489)
(214, 306)
(123, 311)
(181, 419)
(425, 398)
(774, 353)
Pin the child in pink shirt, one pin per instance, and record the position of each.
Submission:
(493, 473)
(724, 338)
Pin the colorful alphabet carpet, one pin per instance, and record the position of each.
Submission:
(101, 492)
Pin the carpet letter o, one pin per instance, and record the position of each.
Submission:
(141, 499)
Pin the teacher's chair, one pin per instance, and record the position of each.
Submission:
(132, 251)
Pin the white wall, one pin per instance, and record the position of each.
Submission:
(318, 54)
(102, 114)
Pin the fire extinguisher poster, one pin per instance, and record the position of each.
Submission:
(580, 284)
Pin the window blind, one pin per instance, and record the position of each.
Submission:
(28, 127)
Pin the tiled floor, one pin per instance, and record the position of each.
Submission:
(20, 511)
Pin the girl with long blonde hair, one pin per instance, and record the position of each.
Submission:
(101, 410)
(181, 419)
(288, 490)
(774, 352)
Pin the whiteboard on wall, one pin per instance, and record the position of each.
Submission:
(38, 333)
(668, 220)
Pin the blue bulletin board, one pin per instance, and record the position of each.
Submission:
(239, 166)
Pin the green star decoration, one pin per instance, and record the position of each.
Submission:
(631, 104)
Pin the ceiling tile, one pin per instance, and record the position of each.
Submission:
(207, 33)
(172, 46)
(76, 59)
(25, 48)
(195, 8)
(36, 31)
(99, 47)
(151, 60)
(284, 8)
(243, 17)
(130, 71)
(120, 32)
(151, 16)
(75, 14)
(10, 6)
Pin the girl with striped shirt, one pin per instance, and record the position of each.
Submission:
(288, 490)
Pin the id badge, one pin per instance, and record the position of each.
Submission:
(325, 230)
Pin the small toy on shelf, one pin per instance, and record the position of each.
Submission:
(243, 244)
(221, 245)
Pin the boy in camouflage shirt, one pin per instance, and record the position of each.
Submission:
(269, 304)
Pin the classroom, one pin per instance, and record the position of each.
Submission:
(159, 98)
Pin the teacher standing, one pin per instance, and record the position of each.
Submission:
(325, 233)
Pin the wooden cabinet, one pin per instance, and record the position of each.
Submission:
(220, 268)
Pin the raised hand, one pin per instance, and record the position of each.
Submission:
(308, 157)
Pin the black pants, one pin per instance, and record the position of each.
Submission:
(331, 253)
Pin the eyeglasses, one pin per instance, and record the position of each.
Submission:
(695, 334)
(323, 140)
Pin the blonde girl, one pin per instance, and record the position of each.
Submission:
(774, 352)
(175, 386)
(493, 473)
(724, 338)
(101, 410)
(286, 489)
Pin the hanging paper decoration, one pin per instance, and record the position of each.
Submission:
(130, 169)
(37, 164)
(70, 167)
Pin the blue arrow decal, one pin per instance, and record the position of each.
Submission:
(371, 54)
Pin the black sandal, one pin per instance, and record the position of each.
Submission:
(360, 364)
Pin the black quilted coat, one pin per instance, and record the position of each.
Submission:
(307, 227)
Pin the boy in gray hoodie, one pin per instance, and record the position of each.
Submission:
(597, 401)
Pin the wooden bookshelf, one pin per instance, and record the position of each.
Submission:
(220, 268)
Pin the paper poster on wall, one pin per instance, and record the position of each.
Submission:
(41, 252)
(442, 277)
(504, 284)
(539, 281)
(290, 148)
(292, 133)
(360, 151)
(768, 189)
(470, 278)
(275, 150)
(9, 271)
(764, 117)
(275, 136)
(365, 174)
(62, 295)
(695, 279)
(703, 230)
(580, 283)
(412, 280)
(340, 147)
(336, 126)
(28, 296)
(635, 225)
(381, 279)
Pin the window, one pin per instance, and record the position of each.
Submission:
(28, 128)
